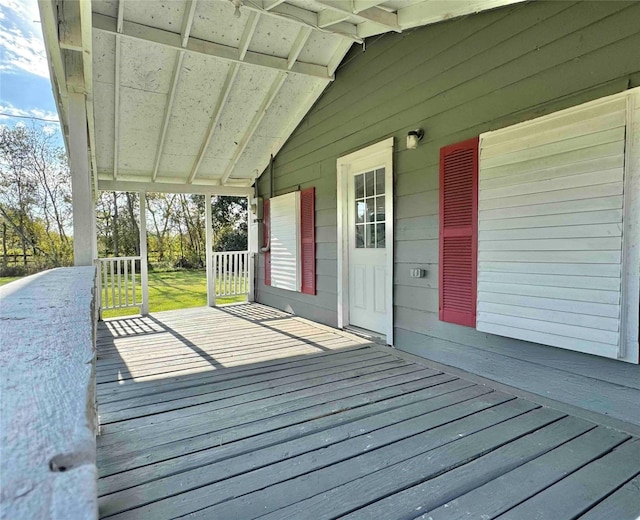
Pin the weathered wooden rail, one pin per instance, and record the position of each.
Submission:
(47, 384)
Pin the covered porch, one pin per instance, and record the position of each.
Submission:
(245, 411)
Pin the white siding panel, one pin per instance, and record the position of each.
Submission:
(516, 177)
(601, 283)
(592, 231)
(557, 147)
(571, 318)
(551, 221)
(550, 229)
(551, 327)
(615, 148)
(576, 307)
(581, 345)
(604, 270)
(553, 208)
(558, 183)
(285, 241)
(571, 257)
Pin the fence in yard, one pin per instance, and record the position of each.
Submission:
(230, 272)
(120, 282)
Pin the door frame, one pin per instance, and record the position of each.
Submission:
(384, 149)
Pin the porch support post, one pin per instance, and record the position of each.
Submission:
(252, 245)
(82, 199)
(211, 281)
(144, 271)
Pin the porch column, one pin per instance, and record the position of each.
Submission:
(144, 271)
(211, 280)
(252, 244)
(82, 198)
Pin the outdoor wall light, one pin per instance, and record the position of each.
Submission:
(413, 137)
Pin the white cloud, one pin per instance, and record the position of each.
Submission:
(7, 110)
(21, 44)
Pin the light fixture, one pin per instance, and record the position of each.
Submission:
(237, 4)
(413, 137)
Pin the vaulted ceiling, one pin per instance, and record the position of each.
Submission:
(195, 95)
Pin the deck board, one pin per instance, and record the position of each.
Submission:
(248, 412)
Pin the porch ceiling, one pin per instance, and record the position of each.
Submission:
(194, 95)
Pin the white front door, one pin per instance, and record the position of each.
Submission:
(365, 239)
(367, 248)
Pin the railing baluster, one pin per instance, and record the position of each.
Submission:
(133, 279)
(119, 267)
(113, 285)
(216, 275)
(233, 275)
(226, 274)
(245, 275)
(105, 292)
(126, 283)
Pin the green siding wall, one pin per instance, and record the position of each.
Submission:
(456, 80)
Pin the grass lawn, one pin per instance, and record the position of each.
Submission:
(175, 290)
(6, 279)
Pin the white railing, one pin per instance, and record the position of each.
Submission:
(230, 273)
(119, 282)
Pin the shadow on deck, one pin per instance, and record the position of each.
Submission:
(248, 412)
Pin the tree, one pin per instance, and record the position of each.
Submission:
(35, 202)
(229, 223)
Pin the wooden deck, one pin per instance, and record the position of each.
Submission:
(247, 412)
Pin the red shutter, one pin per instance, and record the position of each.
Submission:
(266, 242)
(308, 240)
(459, 232)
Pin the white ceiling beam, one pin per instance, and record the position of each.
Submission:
(363, 5)
(119, 26)
(328, 17)
(120, 23)
(172, 40)
(245, 41)
(116, 108)
(69, 29)
(338, 56)
(177, 187)
(298, 45)
(270, 4)
(217, 114)
(187, 22)
(300, 16)
(253, 126)
(385, 19)
(87, 60)
(247, 34)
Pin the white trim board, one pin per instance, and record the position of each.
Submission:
(384, 151)
(541, 185)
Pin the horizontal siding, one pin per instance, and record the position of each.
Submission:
(481, 73)
(597, 246)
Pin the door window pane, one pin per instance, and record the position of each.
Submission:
(370, 240)
(359, 236)
(380, 236)
(380, 208)
(360, 211)
(380, 181)
(371, 210)
(359, 185)
(369, 184)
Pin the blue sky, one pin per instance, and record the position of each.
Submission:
(25, 89)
